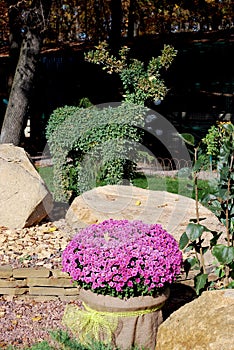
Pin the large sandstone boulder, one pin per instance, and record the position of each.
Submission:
(24, 197)
(206, 323)
(172, 211)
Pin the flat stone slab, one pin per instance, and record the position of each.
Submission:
(172, 211)
(31, 272)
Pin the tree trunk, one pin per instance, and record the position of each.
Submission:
(116, 15)
(21, 91)
(131, 20)
(15, 39)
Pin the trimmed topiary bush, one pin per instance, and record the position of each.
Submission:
(93, 144)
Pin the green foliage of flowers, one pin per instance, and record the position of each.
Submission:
(61, 340)
(93, 144)
(140, 82)
(221, 202)
(123, 258)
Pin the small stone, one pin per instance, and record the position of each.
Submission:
(60, 274)
(13, 291)
(30, 272)
(6, 271)
(48, 266)
(46, 291)
(12, 284)
(3, 239)
(49, 282)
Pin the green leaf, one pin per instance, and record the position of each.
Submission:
(189, 264)
(205, 249)
(231, 285)
(188, 138)
(200, 281)
(224, 254)
(193, 261)
(198, 165)
(194, 231)
(215, 238)
(183, 240)
(189, 248)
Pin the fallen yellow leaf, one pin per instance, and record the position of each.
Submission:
(36, 318)
(52, 229)
(138, 203)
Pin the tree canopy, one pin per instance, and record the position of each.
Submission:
(72, 20)
(26, 25)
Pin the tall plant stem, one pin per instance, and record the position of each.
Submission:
(227, 213)
(196, 186)
(197, 210)
(227, 203)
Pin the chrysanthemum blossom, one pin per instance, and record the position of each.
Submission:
(123, 258)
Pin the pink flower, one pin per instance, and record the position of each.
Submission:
(135, 255)
(130, 284)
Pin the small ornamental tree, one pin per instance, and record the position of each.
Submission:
(89, 145)
(140, 82)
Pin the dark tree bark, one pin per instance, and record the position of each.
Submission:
(19, 99)
(116, 23)
(131, 20)
(15, 38)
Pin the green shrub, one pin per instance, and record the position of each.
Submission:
(58, 117)
(93, 144)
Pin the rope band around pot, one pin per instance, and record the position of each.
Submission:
(87, 323)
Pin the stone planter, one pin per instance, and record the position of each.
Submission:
(124, 323)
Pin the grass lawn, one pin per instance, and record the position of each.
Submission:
(47, 175)
(182, 186)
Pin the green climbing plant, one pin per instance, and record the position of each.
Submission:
(90, 145)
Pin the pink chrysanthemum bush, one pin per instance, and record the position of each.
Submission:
(123, 258)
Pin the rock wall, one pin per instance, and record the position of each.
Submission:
(36, 283)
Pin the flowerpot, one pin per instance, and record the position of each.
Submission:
(124, 323)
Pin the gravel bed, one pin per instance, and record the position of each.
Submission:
(24, 323)
(39, 245)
